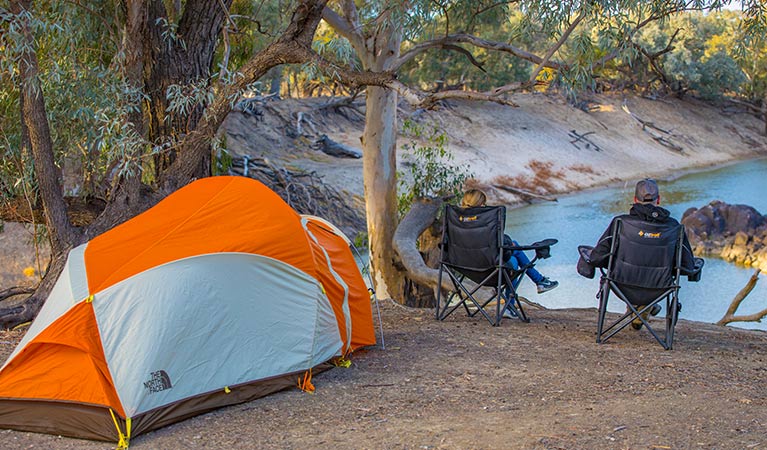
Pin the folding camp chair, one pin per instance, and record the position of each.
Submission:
(472, 249)
(633, 244)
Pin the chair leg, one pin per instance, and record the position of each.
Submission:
(603, 294)
(439, 293)
(672, 315)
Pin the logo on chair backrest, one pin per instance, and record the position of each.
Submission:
(649, 235)
(467, 218)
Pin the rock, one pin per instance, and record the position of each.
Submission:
(736, 233)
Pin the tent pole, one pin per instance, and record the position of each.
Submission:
(373, 293)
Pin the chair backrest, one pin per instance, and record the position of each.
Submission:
(645, 255)
(473, 237)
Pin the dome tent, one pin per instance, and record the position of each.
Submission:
(219, 294)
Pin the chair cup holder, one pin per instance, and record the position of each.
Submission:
(543, 248)
(542, 252)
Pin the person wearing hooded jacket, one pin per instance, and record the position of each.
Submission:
(646, 208)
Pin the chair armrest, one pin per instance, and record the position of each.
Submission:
(546, 243)
(584, 267)
(542, 248)
(584, 251)
(694, 274)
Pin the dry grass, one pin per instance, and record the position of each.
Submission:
(584, 169)
(543, 180)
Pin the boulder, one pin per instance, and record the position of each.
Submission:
(736, 233)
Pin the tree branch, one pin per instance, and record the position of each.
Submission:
(463, 38)
(421, 99)
(557, 46)
(35, 118)
(346, 27)
(14, 291)
(730, 316)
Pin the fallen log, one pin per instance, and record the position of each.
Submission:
(14, 291)
(333, 148)
(583, 138)
(524, 193)
(648, 128)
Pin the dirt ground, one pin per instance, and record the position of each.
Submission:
(462, 384)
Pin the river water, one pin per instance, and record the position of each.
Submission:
(580, 219)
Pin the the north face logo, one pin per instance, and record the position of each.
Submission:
(160, 381)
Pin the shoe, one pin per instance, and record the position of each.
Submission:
(546, 285)
(654, 311)
(509, 314)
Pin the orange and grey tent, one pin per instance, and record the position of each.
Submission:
(219, 294)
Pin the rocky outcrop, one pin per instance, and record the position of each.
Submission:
(736, 233)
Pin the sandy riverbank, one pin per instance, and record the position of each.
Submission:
(496, 142)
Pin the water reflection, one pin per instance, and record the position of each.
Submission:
(581, 219)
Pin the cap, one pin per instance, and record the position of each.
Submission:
(646, 190)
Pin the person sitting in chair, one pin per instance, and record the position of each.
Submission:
(513, 259)
(646, 208)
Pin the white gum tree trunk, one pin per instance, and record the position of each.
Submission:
(377, 44)
(379, 164)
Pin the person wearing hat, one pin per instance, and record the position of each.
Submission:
(646, 208)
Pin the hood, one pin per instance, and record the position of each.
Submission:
(650, 212)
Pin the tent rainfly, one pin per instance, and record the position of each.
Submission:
(219, 294)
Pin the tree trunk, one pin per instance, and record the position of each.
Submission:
(183, 57)
(199, 27)
(35, 119)
(379, 166)
(275, 81)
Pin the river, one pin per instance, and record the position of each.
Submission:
(581, 218)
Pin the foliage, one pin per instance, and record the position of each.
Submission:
(701, 57)
(223, 159)
(84, 93)
(431, 171)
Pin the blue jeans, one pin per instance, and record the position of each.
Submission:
(517, 259)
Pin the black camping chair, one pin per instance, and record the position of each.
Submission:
(654, 252)
(472, 249)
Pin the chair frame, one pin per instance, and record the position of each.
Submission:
(500, 279)
(669, 293)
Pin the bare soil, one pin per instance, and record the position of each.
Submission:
(464, 384)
